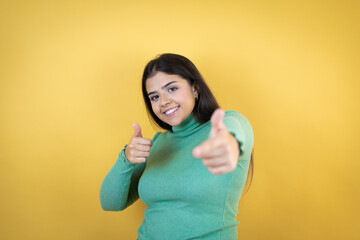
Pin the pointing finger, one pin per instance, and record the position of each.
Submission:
(204, 149)
(142, 141)
(143, 148)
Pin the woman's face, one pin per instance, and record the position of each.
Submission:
(172, 98)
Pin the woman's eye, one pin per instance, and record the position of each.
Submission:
(172, 89)
(153, 98)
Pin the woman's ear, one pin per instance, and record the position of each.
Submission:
(195, 89)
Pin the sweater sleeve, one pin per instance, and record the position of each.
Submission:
(241, 128)
(119, 188)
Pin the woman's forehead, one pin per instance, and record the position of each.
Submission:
(160, 79)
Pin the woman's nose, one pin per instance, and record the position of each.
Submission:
(164, 100)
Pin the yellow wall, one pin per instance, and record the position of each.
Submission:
(70, 88)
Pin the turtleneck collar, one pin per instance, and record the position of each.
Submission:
(187, 126)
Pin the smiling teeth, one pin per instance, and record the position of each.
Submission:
(171, 111)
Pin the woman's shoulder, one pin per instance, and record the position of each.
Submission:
(235, 114)
(232, 112)
(160, 135)
(156, 135)
(233, 117)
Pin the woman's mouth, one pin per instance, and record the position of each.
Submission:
(171, 112)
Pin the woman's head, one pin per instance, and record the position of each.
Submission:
(172, 82)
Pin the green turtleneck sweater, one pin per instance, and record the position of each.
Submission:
(184, 200)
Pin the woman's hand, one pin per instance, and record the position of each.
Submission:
(138, 148)
(220, 153)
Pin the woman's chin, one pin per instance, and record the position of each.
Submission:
(173, 123)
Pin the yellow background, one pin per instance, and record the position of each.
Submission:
(70, 89)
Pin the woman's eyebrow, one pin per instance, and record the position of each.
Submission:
(162, 87)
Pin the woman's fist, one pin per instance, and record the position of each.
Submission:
(138, 148)
(221, 151)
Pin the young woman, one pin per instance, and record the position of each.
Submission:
(190, 176)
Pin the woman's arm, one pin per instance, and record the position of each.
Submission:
(240, 127)
(119, 188)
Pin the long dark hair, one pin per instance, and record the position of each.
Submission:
(175, 64)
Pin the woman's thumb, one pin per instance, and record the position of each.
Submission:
(217, 123)
(137, 130)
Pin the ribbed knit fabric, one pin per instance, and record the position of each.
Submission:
(185, 200)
